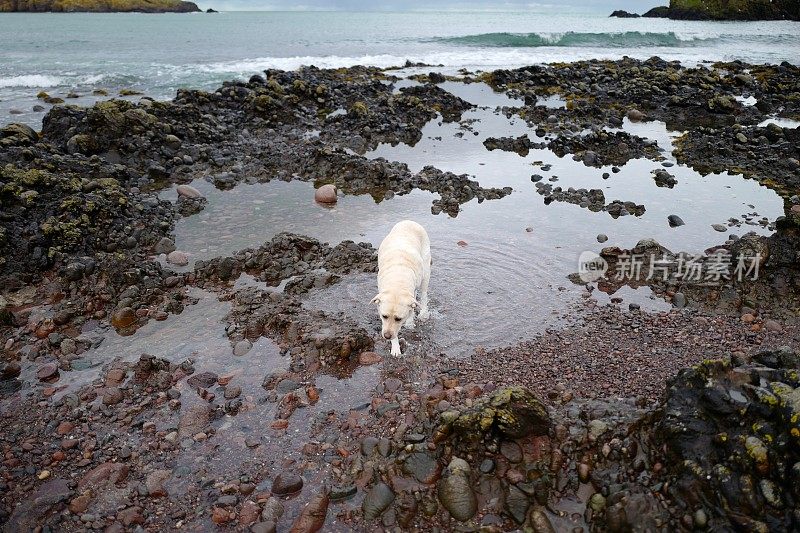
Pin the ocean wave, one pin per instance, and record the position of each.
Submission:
(31, 80)
(293, 63)
(628, 39)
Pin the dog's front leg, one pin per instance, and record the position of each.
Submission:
(396, 347)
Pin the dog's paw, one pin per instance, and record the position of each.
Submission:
(396, 352)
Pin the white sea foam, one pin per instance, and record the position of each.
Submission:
(450, 60)
(780, 121)
(31, 80)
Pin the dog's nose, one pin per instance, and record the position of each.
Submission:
(387, 335)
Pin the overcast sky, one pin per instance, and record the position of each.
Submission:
(414, 5)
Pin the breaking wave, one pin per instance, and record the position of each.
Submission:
(628, 39)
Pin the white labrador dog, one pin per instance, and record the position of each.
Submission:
(404, 269)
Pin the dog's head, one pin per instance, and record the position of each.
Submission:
(394, 310)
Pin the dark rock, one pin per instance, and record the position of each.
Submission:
(202, 380)
(377, 500)
(455, 492)
(48, 372)
(619, 13)
(287, 483)
(675, 221)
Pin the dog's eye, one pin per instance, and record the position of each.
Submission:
(385, 316)
(397, 319)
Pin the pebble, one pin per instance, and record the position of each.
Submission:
(242, 347)
(597, 502)
(164, 246)
(326, 194)
(287, 483)
(232, 391)
(112, 396)
(369, 358)
(123, 317)
(679, 300)
(343, 492)
(178, 258)
(634, 115)
(187, 191)
(602, 238)
(286, 385)
(202, 380)
(675, 221)
(48, 372)
(596, 428)
(511, 451)
(583, 472)
(280, 424)
(720, 227)
(700, 519)
(486, 466)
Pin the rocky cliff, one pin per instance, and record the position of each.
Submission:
(98, 6)
(728, 10)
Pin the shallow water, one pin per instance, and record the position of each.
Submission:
(500, 267)
(781, 121)
(243, 442)
(197, 334)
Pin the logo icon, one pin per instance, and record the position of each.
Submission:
(591, 266)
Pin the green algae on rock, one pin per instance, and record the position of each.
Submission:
(732, 436)
(512, 412)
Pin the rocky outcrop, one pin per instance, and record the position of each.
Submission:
(728, 10)
(730, 431)
(98, 6)
(622, 14)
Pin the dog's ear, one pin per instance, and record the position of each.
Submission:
(376, 300)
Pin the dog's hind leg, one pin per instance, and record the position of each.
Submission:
(423, 288)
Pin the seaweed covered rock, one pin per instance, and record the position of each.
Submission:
(18, 134)
(49, 216)
(732, 438)
(511, 413)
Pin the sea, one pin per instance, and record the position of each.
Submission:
(75, 54)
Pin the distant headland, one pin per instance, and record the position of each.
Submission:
(98, 6)
(723, 10)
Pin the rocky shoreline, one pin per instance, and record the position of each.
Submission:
(291, 417)
(98, 6)
(750, 10)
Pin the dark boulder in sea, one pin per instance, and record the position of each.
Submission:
(211, 10)
(622, 14)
